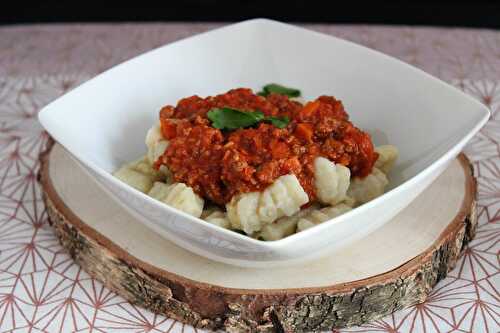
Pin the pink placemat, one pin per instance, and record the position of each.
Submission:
(43, 290)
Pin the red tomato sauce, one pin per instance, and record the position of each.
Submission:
(220, 164)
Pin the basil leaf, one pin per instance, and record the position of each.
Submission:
(280, 122)
(279, 89)
(228, 118)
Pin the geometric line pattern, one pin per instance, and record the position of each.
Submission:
(43, 290)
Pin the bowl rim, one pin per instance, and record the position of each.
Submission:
(43, 117)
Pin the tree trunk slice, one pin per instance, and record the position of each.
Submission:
(392, 268)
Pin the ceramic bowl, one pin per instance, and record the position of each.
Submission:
(103, 122)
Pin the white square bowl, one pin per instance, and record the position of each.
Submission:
(104, 121)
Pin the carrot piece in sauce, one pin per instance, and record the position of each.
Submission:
(304, 131)
(310, 108)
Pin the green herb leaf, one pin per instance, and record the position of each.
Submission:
(279, 89)
(228, 118)
(280, 122)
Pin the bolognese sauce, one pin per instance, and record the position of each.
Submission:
(219, 164)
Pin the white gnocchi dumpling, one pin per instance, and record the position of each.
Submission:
(156, 143)
(331, 181)
(315, 217)
(139, 174)
(279, 229)
(250, 211)
(283, 198)
(242, 212)
(284, 226)
(349, 201)
(219, 218)
(142, 165)
(387, 156)
(368, 188)
(178, 195)
(140, 181)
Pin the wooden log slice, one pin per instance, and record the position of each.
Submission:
(390, 269)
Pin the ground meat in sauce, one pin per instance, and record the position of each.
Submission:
(220, 164)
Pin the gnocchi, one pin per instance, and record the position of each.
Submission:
(179, 196)
(139, 174)
(218, 218)
(284, 226)
(331, 181)
(365, 189)
(155, 143)
(250, 211)
(316, 216)
(136, 179)
(387, 156)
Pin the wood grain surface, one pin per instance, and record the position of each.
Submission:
(393, 268)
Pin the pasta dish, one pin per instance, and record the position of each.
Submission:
(264, 164)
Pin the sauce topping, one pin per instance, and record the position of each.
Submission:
(219, 164)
